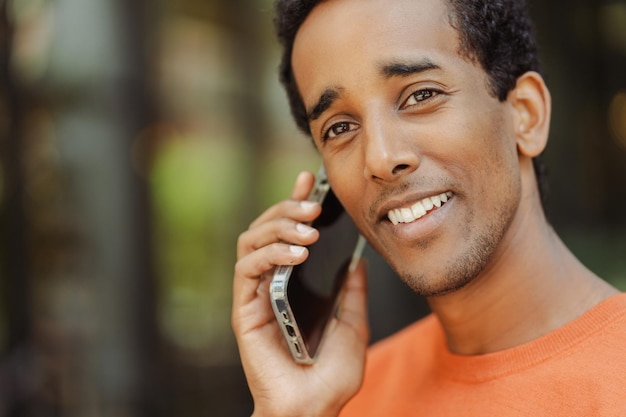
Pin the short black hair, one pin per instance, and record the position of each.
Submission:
(496, 34)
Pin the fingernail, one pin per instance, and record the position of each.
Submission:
(304, 229)
(296, 250)
(308, 205)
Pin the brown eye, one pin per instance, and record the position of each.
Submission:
(337, 129)
(420, 96)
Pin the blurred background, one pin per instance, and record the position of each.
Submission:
(139, 138)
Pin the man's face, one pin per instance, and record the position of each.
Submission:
(422, 156)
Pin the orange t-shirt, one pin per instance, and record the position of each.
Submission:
(576, 370)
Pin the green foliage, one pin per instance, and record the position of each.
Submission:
(195, 186)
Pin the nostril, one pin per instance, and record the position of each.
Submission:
(399, 168)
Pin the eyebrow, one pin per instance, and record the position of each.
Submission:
(404, 69)
(326, 100)
(388, 70)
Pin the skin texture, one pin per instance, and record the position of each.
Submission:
(398, 115)
(278, 385)
(453, 140)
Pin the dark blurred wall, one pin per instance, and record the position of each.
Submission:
(77, 284)
(583, 47)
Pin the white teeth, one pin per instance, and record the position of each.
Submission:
(419, 209)
(393, 217)
(407, 215)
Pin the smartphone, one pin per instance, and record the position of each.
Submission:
(304, 297)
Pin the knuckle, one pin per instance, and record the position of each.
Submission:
(237, 269)
(234, 323)
(242, 240)
(245, 268)
(241, 268)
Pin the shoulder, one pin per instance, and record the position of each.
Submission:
(606, 322)
(396, 365)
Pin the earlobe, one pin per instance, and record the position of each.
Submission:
(531, 103)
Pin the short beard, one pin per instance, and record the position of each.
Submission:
(456, 274)
(465, 267)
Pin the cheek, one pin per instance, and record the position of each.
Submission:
(350, 188)
(344, 183)
(490, 145)
(485, 162)
(498, 174)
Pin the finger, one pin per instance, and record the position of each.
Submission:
(301, 211)
(303, 185)
(353, 308)
(253, 315)
(349, 335)
(280, 230)
(250, 268)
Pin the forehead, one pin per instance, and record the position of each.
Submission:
(355, 34)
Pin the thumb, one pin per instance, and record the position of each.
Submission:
(353, 307)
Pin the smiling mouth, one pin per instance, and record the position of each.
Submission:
(419, 209)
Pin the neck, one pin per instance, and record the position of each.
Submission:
(533, 285)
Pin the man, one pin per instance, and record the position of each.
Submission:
(409, 100)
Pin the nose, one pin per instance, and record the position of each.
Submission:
(389, 152)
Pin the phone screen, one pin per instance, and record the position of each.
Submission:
(314, 285)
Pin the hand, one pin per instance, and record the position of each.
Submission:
(280, 386)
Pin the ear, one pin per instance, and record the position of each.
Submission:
(532, 105)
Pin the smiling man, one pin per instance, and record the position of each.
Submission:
(429, 116)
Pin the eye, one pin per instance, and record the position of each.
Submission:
(338, 129)
(420, 96)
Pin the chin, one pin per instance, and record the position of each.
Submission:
(432, 287)
(430, 277)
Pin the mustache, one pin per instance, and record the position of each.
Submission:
(398, 191)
